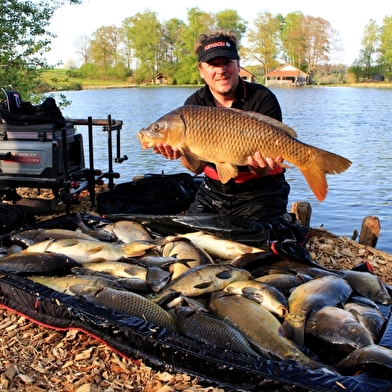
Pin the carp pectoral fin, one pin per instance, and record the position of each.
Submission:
(226, 171)
(192, 159)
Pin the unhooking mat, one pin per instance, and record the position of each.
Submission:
(135, 338)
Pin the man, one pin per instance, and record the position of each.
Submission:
(260, 191)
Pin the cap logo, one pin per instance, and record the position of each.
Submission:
(217, 44)
(217, 47)
(18, 102)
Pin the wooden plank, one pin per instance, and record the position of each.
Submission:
(303, 211)
(370, 231)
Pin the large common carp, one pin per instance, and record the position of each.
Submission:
(42, 263)
(219, 248)
(369, 285)
(344, 334)
(126, 302)
(258, 326)
(310, 297)
(226, 137)
(206, 328)
(203, 279)
(63, 283)
(85, 251)
(368, 355)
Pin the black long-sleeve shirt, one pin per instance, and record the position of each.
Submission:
(249, 97)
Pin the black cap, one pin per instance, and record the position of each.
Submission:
(13, 100)
(217, 47)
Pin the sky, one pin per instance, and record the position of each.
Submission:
(348, 18)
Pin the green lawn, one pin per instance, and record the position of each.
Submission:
(57, 79)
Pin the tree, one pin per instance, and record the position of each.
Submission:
(292, 38)
(318, 40)
(369, 49)
(171, 30)
(24, 40)
(104, 47)
(198, 22)
(264, 41)
(386, 46)
(82, 45)
(230, 20)
(143, 32)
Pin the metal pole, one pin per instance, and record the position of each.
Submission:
(110, 157)
(91, 174)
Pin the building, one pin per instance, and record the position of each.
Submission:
(286, 76)
(246, 75)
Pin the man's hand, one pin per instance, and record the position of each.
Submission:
(167, 151)
(260, 166)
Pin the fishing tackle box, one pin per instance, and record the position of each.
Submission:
(39, 155)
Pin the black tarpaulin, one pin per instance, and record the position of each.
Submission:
(135, 338)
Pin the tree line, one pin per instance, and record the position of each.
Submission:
(25, 38)
(143, 47)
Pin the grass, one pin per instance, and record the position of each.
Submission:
(57, 79)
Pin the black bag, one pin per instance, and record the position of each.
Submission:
(152, 194)
(14, 111)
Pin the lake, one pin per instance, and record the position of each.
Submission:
(353, 122)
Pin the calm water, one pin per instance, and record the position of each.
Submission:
(353, 122)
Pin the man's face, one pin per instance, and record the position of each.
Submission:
(221, 74)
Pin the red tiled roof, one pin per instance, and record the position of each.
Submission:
(286, 70)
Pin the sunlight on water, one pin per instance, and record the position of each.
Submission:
(352, 122)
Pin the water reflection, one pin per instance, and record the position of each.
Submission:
(353, 122)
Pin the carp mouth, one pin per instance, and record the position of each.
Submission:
(141, 136)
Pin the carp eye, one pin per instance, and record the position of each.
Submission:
(156, 127)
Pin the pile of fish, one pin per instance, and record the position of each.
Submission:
(198, 285)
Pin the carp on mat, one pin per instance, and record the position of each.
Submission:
(226, 137)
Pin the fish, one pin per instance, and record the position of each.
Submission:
(129, 303)
(187, 254)
(99, 234)
(185, 248)
(206, 328)
(259, 326)
(204, 279)
(62, 283)
(284, 282)
(374, 354)
(177, 269)
(157, 278)
(41, 263)
(130, 276)
(29, 237)
(344, 334)
(85, 251)
(310, 297)
(128, 231)
(269, 297)
(226, 137)
(159, 261)
(120, 269)
(219, 248)
(369, 285)
(295, 267)
(370, 316)
(131, 283)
